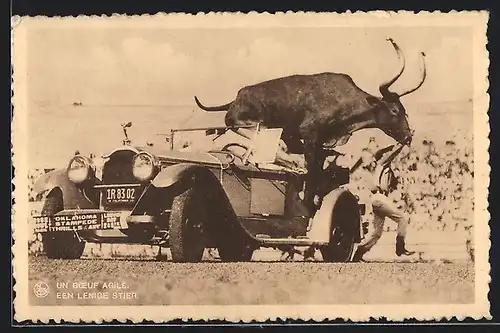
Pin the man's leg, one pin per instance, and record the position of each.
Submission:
(385, 207)
(372, 238)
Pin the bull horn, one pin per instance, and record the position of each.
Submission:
(423, 71)
(384, 87)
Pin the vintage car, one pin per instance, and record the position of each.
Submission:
(189, 201)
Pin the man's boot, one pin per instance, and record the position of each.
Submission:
(400, 247)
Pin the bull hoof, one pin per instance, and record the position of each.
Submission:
(309, 254)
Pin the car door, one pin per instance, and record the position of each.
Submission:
(266, 200)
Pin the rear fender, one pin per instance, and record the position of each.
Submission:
(323, 220)
(73, 197)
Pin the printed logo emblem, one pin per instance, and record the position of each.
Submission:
(41, 289)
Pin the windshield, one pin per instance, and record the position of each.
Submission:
(199, 141)
(265, 144)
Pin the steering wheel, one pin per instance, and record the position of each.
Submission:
(243, 157)
(228, 152)
(225, 148)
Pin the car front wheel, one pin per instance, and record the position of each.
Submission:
(186, 227)
(60, 245)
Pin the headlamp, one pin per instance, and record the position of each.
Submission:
(80, 169)
(144, 166)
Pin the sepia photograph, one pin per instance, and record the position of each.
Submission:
(251, 166)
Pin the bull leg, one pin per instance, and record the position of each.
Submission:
(294, 145)
(315, 159)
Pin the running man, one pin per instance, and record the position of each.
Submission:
(384, 182)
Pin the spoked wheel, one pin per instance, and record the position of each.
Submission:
(187, 241)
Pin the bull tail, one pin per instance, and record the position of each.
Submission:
(224, 107)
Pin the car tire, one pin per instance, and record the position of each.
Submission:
(231, 254)
(140, 233)
(343, 233)
(60, 245)
(340, 248)
(186, 239)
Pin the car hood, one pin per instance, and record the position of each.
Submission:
(178, 156)
(215, 158)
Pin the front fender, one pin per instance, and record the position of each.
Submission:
(177, 172)
(323, 220)
(73, 197)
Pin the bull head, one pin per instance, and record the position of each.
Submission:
(391, 114)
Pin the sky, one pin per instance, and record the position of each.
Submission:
(111, 69)
(169, 66)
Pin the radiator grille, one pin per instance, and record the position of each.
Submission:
(118, 169)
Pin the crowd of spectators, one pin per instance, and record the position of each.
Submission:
(435, 184)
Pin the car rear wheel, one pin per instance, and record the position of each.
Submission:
(340, 248)
(235, 254)
(343, 234)
(60, 245)
(186, 227)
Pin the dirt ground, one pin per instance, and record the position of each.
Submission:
(145, 282)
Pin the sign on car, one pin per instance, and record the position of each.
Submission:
(80, 222)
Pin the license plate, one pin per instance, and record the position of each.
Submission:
(120, 195)
(78, 222)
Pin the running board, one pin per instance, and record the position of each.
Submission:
(263, 240)
(155, 241)
(290, 241)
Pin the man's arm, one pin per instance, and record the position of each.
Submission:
(383, 158)
(356, 165)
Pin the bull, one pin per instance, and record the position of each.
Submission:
(320, 111)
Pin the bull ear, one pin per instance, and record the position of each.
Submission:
(373, 101)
